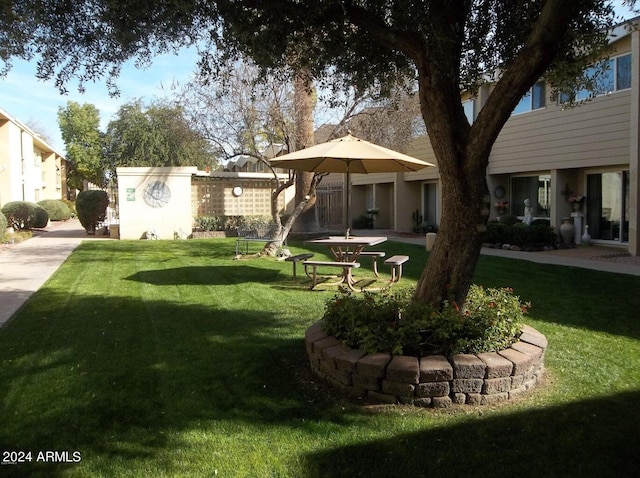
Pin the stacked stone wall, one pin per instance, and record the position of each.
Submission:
(431, 381)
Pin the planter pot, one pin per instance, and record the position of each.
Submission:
(567, 230)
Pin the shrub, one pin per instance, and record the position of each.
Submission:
(426, 227)
(57, 209)
(540, 234)
(208, 223)
(40, 218)
(91, 206)
(364, 221)
(490, 320)
(19, 214)
(3, 224)
(72, 206)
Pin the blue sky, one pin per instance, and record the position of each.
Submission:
(36, 103)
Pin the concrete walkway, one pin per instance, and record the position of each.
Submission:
(596, 257)
(26, 266)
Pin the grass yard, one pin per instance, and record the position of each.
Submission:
(170, 359)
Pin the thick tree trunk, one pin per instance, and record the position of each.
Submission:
(449, 270)
(462, 150)
(304, 137)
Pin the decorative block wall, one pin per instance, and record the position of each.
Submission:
(431, 381)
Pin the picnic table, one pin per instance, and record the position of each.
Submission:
(345, 250)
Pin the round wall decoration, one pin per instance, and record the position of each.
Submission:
(237, 191)
(157, 194)
(499, 192)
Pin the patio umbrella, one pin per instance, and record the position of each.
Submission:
(348, 155)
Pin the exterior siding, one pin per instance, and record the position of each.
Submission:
(594, 134)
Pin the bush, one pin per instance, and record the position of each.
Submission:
(57, 209)
(19, 214)
(364, 221)
(490, 320)
(508, 220)
(3, 224)
(425, 227)
(540, 234)
(40, 218)
(208, 223)
(72, 206)
(91, 206)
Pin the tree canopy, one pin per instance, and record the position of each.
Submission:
(157, 135)
(80, 129)
(444, 45)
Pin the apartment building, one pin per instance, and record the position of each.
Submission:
(30, 169)
(545, 153)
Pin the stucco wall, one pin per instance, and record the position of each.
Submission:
(166, 213)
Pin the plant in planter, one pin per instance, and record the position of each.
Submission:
(490, 320)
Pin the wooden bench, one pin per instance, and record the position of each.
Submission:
(396, 266)
(345, 266)
(295, 260)
(374, 257)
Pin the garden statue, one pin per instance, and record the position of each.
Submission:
(528, 214)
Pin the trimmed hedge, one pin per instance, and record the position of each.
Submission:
(57, 209)
(91, 207)
(519, 234)
(40, 218)
(25, 215)
(19, 214)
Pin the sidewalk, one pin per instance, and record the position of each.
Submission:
(26, 266)
(596, 257)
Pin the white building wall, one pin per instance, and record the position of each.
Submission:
(166, 215)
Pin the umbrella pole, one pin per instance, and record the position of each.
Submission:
(348, 196)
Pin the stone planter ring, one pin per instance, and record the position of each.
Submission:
(430, 381)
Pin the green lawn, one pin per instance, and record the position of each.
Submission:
(155, 358)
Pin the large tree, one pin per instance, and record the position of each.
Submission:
(445, 45)
(80, 129)
(155, 135)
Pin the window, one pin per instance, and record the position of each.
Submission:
(534, 99)
(429, 208)
(616, 77)
(537, 189)
(623, 72)
(469, 110)
(608, 206)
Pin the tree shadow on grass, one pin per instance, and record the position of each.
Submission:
(122, 377)
(590, 438)
(207, 275)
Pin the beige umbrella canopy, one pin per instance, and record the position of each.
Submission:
(349, 155)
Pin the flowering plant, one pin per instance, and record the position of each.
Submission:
(502, 205)
(373, 210)
(577, 198)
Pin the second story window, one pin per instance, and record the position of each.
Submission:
(616, 77)
(534, 99)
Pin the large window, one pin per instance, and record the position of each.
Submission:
(608, 206)
(537, 189)
(534, 99)
(429, 208)
(616, 77)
